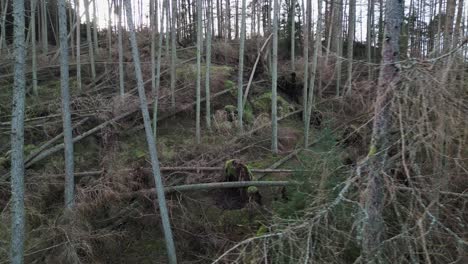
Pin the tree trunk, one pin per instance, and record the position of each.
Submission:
(120, 44)
(90, 41)
(313, 73)
(198, 87)
(370, 14)
(240, 110)
(33, 45)
(306, 58)
(351, 32)
(66, 114)
(274, 79)
(293, 34)
(150, 139)
(78, 45)
(44, 32)
(173, 54)
(388, 80)
(208, 63)
(17, 136)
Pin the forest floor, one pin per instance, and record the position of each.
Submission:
(116, 219)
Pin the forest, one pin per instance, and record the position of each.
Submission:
(233, 131)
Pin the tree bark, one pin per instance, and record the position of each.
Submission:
(208, 64)
(17, 136)
(240, 108)
(150, 139)
(198, 86)
(274, 79)
(388, 81)
(66, 114)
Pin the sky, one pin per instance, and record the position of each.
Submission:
(141, 12)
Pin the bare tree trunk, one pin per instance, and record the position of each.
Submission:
(198, 87)
(240, 108)
(17, 137)
(228, 16)
(306, 58)
(120, 44)
(173, 54)
(388, 80)
(274, 79)
(90, 41)
(158, 68)
(44, 33)
(150, 139)
(95, 29)
(33, 45)
(313, 73)
(370, 26)
(208, 63)
(66, 114)
(351, 32)
(2, 26)
(293, 34)
(78, 45)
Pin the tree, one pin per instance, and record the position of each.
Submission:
(208, 61)
(120, 44)
(388, 80)
(33, 4)
(150, 139)
(240, 108)
(351, 32)
(293, 34)
(199, 48)
(274, 79)
(90, 41)
(78, 45)
(17, 136)
(66, 115)
(173, 53)
(306, 57)
(313, 73)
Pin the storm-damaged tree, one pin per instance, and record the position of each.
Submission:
(388, 81)
(66, 115)
(120, 44)
(78, 45)
(17, 136)
(150, 139)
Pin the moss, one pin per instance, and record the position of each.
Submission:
(252, 190)
(240, 217)
(262, 104)
(229, 169)
(372, 150)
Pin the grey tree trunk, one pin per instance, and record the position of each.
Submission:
(78, 45)
(150, 139)
(33, 45)
(90, 41)
(44, 31)
(95, 29)
(173, 53)
(306, 58)
(17, 136)
(120, 40)
(158, 69)
(338, 35)
(293, 34)
(198, 88)
(2, 26)
(370, 14)
(66, 115)
(274, 79)
(240, 109)
(388, 80)
(351, 32)
(208, 61)
(313, 73)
